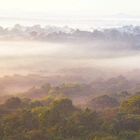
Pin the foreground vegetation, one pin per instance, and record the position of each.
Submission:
(49, 119)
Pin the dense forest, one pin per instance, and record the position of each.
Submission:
(105, 117)
(69, 70)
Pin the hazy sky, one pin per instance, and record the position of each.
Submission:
(70, 7)
(41, 11)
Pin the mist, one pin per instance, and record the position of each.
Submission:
(28, 57)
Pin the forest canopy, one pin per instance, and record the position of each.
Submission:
(59, 119)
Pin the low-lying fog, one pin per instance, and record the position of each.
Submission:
(26, 57)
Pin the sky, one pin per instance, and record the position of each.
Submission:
(25, 12)
(70, 7)
(82, 14)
